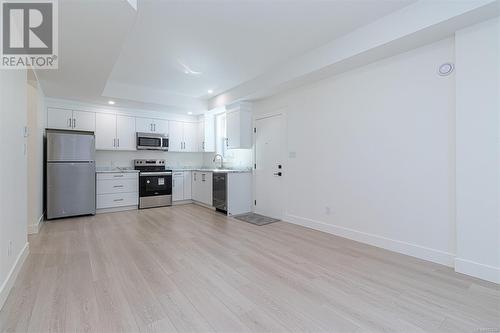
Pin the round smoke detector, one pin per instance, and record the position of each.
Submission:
(446, 69)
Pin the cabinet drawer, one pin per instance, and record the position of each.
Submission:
(117, 200)
(118, 175)
(118, 185)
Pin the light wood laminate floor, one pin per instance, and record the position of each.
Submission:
(189, 269)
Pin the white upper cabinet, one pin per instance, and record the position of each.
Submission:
(144, 125)
(83, 121)
(125, 133)
(175, 136)
(239, 126)
(206, 134)
(160, 126)
(183, 136)
(59, 118)
(190, 137)
(105, 131)
(115, 132)
(147, 125)
(70, 119)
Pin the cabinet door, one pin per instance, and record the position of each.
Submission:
(206, 188)
(209, 133)
(201, 136)
(125, 133)
(190, 137)
(175, 136)
(187, 185)
(178, 186)
(195, 186)
(233, 129)
(59, 118)
(144, 125)
(84, 121)
(160, 126)
(105, 131)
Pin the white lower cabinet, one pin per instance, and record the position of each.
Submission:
(187, 185)
(116, 190)
(178, 186)
(181, 185)
(202, 187)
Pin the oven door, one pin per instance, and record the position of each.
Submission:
(155, 189)
(155, 183)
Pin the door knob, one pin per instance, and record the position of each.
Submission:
(279, 174)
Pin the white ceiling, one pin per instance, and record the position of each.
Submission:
(108, 50)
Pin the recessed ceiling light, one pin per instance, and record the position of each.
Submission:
(210, 91)
(190, 112)
(111, 102)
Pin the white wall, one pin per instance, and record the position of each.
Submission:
(37, 119)
(13, 198)
(478, 150)
(376, 146)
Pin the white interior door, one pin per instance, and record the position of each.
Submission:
(269, 172)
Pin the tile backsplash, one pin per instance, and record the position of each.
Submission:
(126, 158)
(236, 158)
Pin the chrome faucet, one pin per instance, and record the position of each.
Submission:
(221, 160)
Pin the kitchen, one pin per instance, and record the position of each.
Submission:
(250, 166)
(153, 162)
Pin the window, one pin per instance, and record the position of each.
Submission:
(220, 134)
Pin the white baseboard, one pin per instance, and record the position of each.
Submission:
(181, 202)
(11, 277)
(116, 209)
(414, 250)
(481, 271)
(35, 228)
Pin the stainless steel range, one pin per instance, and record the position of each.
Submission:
(155, 183)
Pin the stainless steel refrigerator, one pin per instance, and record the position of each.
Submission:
(70, 173)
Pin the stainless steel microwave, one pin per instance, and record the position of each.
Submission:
(152, 141)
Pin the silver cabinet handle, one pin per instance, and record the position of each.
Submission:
(154, 127)
(69, 122)
(74, 123)
(203, 177)
(118, 186)
(227, 142)
(116, 176)
(114, 142)
(118, 140)
(118, 200)
(203, 145)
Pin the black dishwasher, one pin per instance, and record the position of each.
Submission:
(220, 191)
